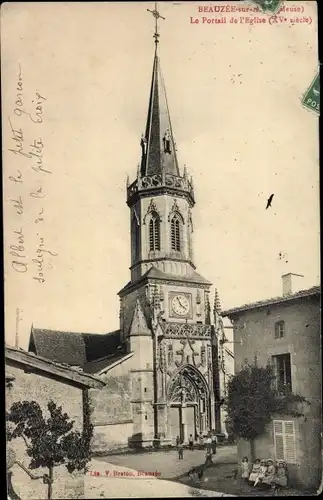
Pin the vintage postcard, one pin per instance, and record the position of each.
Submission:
(161, 249)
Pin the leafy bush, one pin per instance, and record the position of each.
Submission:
(252, 401)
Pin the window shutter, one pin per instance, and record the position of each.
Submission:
(279, 439)
(278, 427)
(290, 448)
(279, 447)
(284, 440)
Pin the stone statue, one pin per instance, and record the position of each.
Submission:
(166, 141)
(143, 144)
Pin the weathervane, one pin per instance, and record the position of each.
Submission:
(156, 15)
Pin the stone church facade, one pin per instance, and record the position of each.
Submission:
(161, 367)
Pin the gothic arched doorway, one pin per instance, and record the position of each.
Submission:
(188, 404)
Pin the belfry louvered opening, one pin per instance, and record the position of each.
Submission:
(176, 234)
(154, 233)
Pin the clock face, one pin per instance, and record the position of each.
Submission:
(180, 305)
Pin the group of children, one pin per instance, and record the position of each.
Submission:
(265, 473)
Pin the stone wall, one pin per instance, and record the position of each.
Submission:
(112, 409)
(111, 437)
(111, 405)
(42, 389)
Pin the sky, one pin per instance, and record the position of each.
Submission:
(75, 89)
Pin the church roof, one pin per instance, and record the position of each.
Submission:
(75, 349)
(160, 155)
(139, 323)
(154, 273)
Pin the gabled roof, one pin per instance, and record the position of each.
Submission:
(156, 274)
(159, 156)
(38, 363)
(73, 348)
(315, 290)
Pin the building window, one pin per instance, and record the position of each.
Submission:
(146, 417)
(145, 389)
(175, 234)
(283, 374)
(284, 441)
(279, 330)
(154, 233)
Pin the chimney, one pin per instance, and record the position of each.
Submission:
(287, 283)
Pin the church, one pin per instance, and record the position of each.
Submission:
(161, 368)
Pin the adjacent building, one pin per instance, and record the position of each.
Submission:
(285, 332)
(33, 378)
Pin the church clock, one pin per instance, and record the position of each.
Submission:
(181, 305)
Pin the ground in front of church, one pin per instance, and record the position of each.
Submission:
(173, 480)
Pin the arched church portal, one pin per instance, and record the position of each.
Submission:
(188, 404)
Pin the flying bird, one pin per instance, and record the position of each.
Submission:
(270, 199)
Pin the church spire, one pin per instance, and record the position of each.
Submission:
(158, 170)
(158, 145)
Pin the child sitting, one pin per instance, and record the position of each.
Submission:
(255, 471)
(262, 472)
(245, 469)
(280, 477)
(269, 474)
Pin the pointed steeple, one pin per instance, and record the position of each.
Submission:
(158, 145)
(139, 323)
(158, 172)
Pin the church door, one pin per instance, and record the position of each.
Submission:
(187, 398)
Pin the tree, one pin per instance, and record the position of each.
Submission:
(252, 401)
(50, 442)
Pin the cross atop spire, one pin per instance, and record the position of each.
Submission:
(156, 15)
